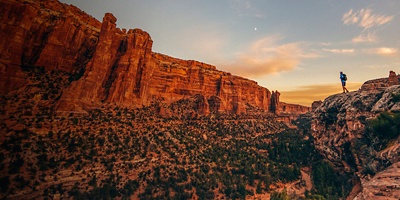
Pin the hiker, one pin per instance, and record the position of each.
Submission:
(343, 78)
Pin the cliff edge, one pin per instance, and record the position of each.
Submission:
(340, 127)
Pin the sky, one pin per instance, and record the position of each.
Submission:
(295, 47)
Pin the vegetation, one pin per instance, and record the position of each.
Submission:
(379, 132)
(280, 196)
(327, 182)
(396, 97)
(115, 152)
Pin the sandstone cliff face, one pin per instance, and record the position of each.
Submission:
(124, 70)
(285, 109)
(175, 79)
(43, 33)
(110, 65)
(341, 120)
(383, 186)
(114, 73)
(382, 83)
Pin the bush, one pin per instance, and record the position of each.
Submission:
(280, 196)
(396, 97)
(383, 129)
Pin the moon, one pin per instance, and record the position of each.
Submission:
(255, 29)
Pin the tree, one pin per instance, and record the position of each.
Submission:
(259, 189)
(280, 196)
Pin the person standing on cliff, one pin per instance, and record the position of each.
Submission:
(343, 79)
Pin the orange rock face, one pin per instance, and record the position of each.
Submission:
(382, 83)
(43, 33)
(282, 108)
(124, 70)
(110, 65)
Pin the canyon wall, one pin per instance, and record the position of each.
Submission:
(46, 34)
(107, 64)
(338, 128)
(124, 70)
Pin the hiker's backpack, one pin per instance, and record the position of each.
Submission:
(344, 77)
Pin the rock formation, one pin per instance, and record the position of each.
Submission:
(282, 108)
(382, 83)
(340, 121)
(46, 34)
(132, 75)
(110, 65)
(315, 105)
(385, 185)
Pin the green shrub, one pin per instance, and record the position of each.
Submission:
(280, 196)
(385, 128)
(396, 97)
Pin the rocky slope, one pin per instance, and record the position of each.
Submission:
(154, 152)
(112, 65)
(339, 129)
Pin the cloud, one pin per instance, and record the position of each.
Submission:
(325, 44)
(305, 95)
(365, 38)
(365, 18)
(383, 51)
(341, 51)
(266, 56)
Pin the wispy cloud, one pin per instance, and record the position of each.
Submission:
(325, 44)
(266, 56)
(383, 51)
(365, 18)
(365, 38)
(305, 95)
(341, 51)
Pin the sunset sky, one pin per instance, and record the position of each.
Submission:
(295, 47)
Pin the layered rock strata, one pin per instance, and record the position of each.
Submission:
(110, 65)
(124, 70)
(382, 83)
(46, 34)
(383, 186)
(340, 121)
(282, 108)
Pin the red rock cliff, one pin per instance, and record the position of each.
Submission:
(110, 65)
(43, 33)
(338, 128)
(124, 70)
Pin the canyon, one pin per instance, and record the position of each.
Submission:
(112, 65)
(89, 110)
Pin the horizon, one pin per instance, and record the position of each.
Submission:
(297, 48)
